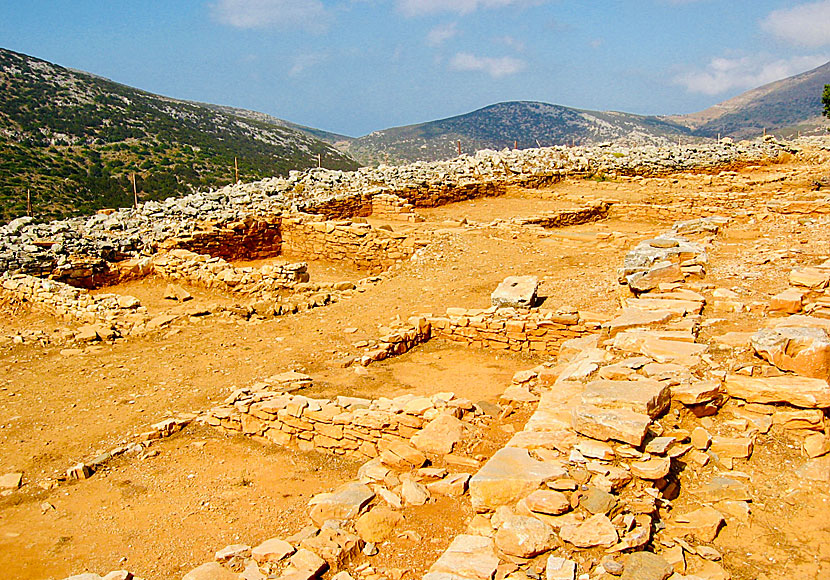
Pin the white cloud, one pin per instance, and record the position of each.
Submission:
(421, 7)
(305, 61)
(512, 42)
(726, 74)
(804, 25)
(441, 34)
(495, 67)
(308, 14)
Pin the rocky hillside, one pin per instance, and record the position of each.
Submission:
(72, 140)
(526, 124)
(785, 106)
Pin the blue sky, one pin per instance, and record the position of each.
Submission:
(355, 66)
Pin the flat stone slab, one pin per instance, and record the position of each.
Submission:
(342, 504)
(606, 424)
(515, 292)
(798, 391)
(507, 477)
(660, 349)
(471, 557)
(647, 397)
(637, 318)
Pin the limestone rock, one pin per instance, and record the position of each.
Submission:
(524, 537)
(210, 571)
(805, 392)
(344, 503)
(378, 524)
(515, 292)
(548, 502)
(11, 480)
(508, 476)
(595, 531)
(647, 397)
(471, 557)
(414, 493)
(646, 566)
(557, 568)
(654, 468)
(272, 550)
(607, 424)
(637, 318)
(805, 351)
(697, 392)
(704, 524)
(816, 445)
(440, 435)
(813, 278)
(233, 551)
(789, 301)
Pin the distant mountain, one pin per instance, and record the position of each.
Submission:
(522, 123)
(785, 106)
(72, 139)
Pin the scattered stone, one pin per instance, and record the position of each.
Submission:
(704, 524)
(598, 501)
(176, 292)
(607, 424)
(557, 568)
(471, 557)
(524, 537)
(789, 301)
(701, 439)
(344, 503)
(11, 481)
(378, 524)
(813, 278)
(816, 445)
(272, 550)
(595, 531)
(646, 566)
(210, 571)
(548, 502)
(414, 493)
(654, 468)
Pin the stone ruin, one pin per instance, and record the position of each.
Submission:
(585, 489)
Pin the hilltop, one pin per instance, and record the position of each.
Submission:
(73, 139)
(524, 124)
(786, 106)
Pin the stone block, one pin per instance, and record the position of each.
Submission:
(804, 351)
(515, 292)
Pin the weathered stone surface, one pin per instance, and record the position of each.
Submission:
(724, 488)
(789, 301)
(11, 480)
(210, 571)
(654, 468)
(414, 493)
(595, 531)
(440, 435)
(607, 424)
(378, 524)
(548, 502)
(598, 501)
(704, 524)
(557, 568)
(471, 557)
(802, 392)
(344, 503)
(816, 445)
(515, 292)
(697, 392)
(813, 278)
(805, 351)
(272, 550)
(646, 397)
(233, 551)
(637, 318)
(524, 537)
(646, 566)
(663, 271)
(507, 477)
(453, 485)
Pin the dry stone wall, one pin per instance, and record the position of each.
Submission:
(359, 428)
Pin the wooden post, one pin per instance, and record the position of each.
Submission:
(459, 147)
(135, 193)
(319, 160)
(539, 145)
(516, 144)
(28, 202)
(236, 169)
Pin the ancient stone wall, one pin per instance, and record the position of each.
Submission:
(358, 244)
(359, 428)
(248, 239)
(392, 207)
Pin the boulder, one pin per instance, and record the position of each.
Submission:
(646, 566)
(607, 424)
(470, 557)
(595, 531)
(378, 524)
(345, 502)
(516, 292)
(210, 571)
(804, 351)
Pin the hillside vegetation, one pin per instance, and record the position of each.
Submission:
(73, 140)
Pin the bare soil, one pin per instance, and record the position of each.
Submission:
(166, 514)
